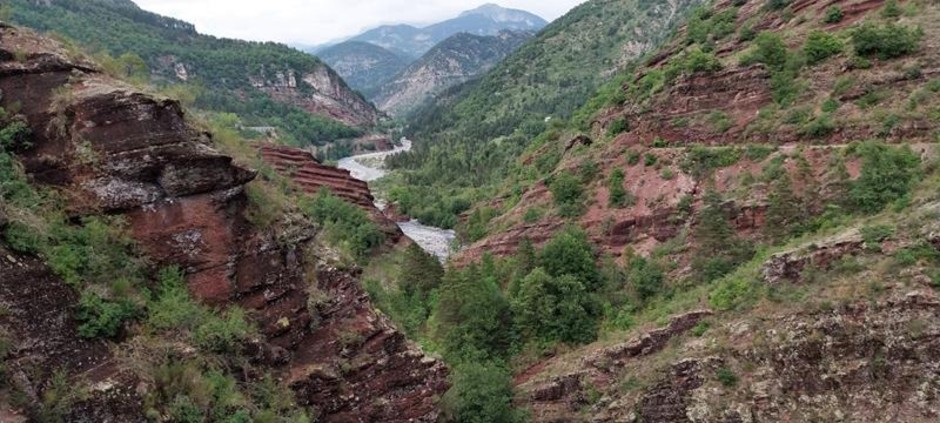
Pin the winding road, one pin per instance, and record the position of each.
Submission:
(370, 167)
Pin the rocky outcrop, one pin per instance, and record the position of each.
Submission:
(356, 366)
(861, 362)
(110, 149)
(330, 97)
(311, 176)
(556, 397)
(788, 266)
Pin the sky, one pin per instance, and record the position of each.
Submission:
(312, 22)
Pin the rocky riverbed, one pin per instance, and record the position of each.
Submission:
(371, 167)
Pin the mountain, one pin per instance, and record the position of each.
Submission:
(485, 124)
(362, 65)
(489, 19)
(739, 225)
(267, 84)
(452, 62)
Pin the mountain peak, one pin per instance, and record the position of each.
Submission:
(501, 14)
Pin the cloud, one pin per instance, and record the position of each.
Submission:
(320, 21)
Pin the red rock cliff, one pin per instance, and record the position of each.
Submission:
(113, 150)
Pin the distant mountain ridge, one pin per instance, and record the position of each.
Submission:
(364, 66)
(452, 62)
(488, 19)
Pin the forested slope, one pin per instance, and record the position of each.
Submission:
(268, 84)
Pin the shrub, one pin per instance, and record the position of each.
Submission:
(570, 252)
(777, 4)
(834, 14)
(727, 377)
(568, 194)
(886, 41)
(617, 127)
(770, 50)
(699, 61)
(821, 46)
(720, 121)
(459, 326)
(618, 197)
(345, 223)
(699, 160)
(888, 174)
(633, 158)
(481, 392)
(820, 127)
(650, 159)
(830, 105)
(891, 9)
(222, 333)
(100, 317)
(558, 308)
(646, 277)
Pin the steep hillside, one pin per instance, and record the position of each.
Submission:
(452, 62)
(267, 84)
(468, 137)
(489, 19)
(364, 66)
(146, 275)
(741, 229)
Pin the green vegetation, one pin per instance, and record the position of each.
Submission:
(468, 139)
(346, 224)
(706, 27)
(220, 69)
(618, 195)
(95, 256)
(834, 15)
(887, 41)
(888, 175)
(821, 46)
(555, 308)
(568, 194)
(481, 393)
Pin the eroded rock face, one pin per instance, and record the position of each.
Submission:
(310, 175)
(113, 150)
(861, 362)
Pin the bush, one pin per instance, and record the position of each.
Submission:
(891, 9)
(820, 127)
(821, 46)
(617, 127)
(770, 50)
(618, 195)
(345, 222)
(888, 174)
(646, 277)
(103, 318)
(481, 392)
(727, 377)
(570, 252)
(886, 41)
(555, 308)
(463, 331)
(568, 194)
(834, 15)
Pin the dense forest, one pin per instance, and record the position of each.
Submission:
(219, 69)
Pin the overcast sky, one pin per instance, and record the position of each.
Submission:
(319, 21)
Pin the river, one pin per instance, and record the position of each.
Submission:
(370, 167)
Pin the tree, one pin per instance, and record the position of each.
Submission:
(472, 319)
(421, 272)
(569, 194)
(555, 308)
(646, 277)
(481, 392)
(570, 253)
(785, 211)
(887, 175)
(719, 250)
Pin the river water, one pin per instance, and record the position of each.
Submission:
(370, 167)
